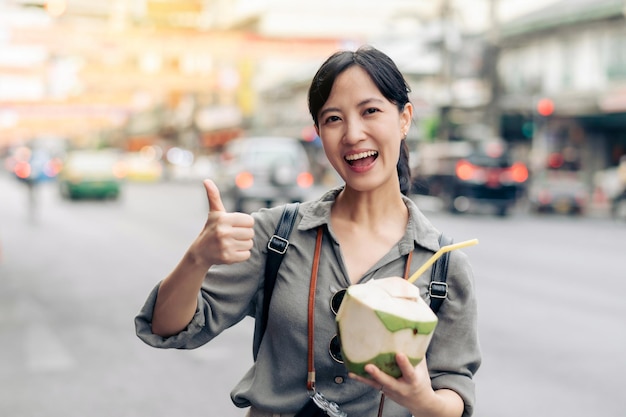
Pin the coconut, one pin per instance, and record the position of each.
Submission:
(380, 318)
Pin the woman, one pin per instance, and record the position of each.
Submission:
(361, 111)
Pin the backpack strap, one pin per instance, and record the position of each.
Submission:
(276, 248)
(438, 288)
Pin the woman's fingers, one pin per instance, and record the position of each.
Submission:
(410, 374)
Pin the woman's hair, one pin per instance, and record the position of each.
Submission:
(385, 75)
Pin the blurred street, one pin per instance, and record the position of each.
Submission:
(74, 274)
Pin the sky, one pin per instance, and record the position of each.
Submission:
(373, 17)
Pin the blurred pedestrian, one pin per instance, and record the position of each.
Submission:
(369, 228)
(618, 201)
(621, 173)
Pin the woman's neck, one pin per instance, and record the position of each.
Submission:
(370, 209)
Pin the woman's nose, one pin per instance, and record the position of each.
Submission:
(354, 132)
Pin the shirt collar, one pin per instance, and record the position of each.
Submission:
(419, 232)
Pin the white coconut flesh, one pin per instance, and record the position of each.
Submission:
(382, 317)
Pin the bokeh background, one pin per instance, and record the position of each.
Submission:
(164, 86)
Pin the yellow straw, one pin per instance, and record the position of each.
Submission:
(438, 254)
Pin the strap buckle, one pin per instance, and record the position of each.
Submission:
(328, 407)
(278, 244)
(438, 289)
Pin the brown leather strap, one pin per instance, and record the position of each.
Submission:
(381, 405)
(310, 382)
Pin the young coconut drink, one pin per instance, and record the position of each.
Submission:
(382, 317)
(379, 318)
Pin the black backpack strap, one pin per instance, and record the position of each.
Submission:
(438, 288)
(276, 248)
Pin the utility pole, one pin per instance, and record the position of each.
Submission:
(492, 53)
(445, 74)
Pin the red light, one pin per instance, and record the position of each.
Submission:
(305, 179)
(545, 107)
(555, 160)
(519, 172)
(22, 170)
(464, 170)
(244, 180)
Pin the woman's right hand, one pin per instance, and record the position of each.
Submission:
(226, 238)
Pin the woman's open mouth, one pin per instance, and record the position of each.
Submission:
(361, 158)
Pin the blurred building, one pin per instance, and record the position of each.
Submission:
(562, 71)
(195, 73)
(132, 73)
(446, 49)
(421, 36)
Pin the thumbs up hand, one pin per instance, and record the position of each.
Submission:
(226, 237)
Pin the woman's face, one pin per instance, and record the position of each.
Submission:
(361, 131)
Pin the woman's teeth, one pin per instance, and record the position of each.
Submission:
(360, 155)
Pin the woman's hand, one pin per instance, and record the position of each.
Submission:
(226, 237)
(413, 389)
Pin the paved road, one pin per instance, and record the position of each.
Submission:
(73, 275)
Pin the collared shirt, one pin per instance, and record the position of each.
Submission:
(277, 379)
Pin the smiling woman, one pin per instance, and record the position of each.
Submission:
(366, 229)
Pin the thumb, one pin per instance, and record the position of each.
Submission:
(213, 195)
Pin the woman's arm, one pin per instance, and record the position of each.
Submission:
(225, 239)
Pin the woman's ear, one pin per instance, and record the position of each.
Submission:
(406, 116)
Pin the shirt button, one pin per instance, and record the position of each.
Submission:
(338, 380)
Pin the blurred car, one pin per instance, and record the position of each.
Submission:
(142, 167)
(558, 191)
(264, 169)
(91, 174)
(463, 176)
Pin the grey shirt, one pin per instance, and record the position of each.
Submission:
(277, 379)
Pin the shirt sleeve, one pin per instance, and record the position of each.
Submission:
(229, 293)
(454, 352)
(189, 338)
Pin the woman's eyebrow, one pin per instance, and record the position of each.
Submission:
(369, 100)
(328, 110)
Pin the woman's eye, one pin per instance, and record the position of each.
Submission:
(331, 119)
(371, 110)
